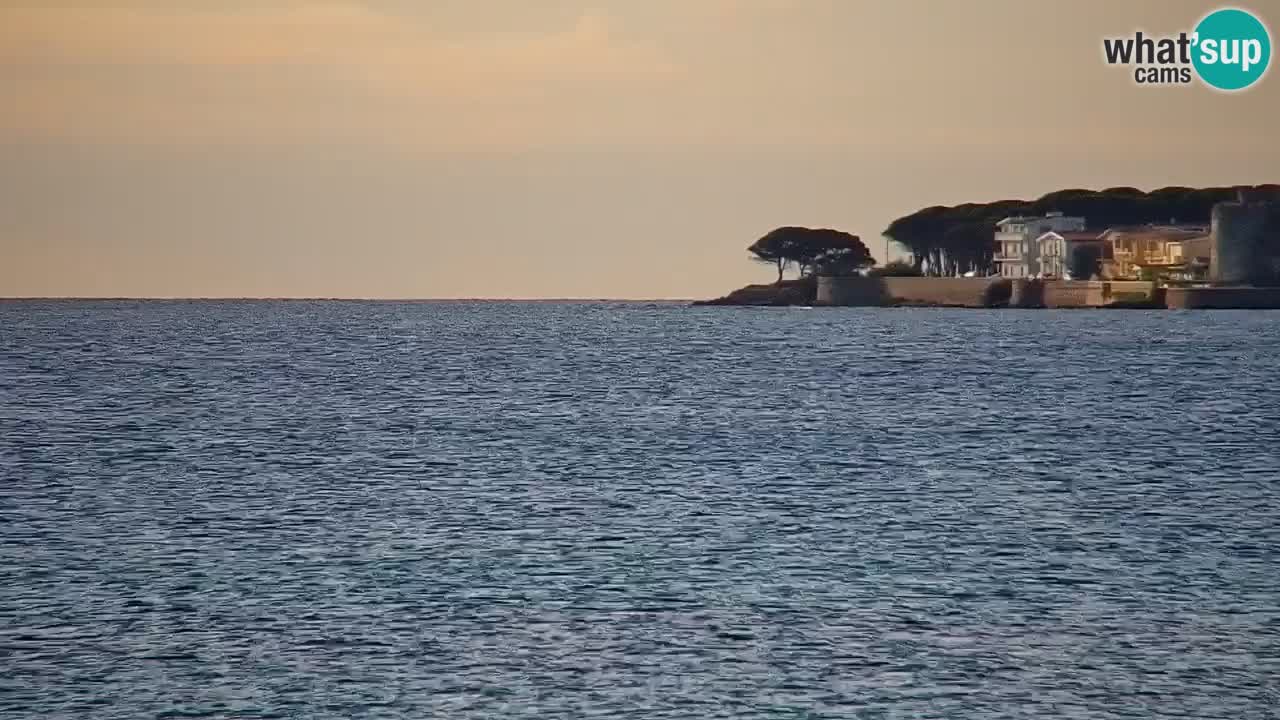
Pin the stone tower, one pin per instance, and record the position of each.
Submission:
(1245, 242)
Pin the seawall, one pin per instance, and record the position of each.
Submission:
(1083, 293)
(978, 292)
(1223, 298)
(879, 291)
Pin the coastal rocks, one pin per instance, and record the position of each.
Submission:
(787, 292)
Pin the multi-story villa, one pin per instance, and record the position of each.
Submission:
(1156, 250)
(1017, 253)
(1197, 255)
(1057, 248)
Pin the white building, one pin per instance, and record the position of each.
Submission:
(893, 252)
(1056, 248)
(1017, 253)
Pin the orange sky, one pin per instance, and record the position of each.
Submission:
(560, 148)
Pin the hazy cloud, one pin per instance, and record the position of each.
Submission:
(304, 70)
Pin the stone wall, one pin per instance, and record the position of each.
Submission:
(1222, 298)
(1074, 293)
(874, 291)
(1129, 291)
(1246, 243)
(1026, 293)
(1097, 293)
(852, 291)
(972, 292)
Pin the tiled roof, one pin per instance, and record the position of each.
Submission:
(1172, 232)
(1074, 235)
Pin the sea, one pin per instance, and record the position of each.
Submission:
(334, 509)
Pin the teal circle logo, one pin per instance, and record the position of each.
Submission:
(1231, 49)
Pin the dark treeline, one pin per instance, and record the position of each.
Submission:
(955, 240)
(810, 250)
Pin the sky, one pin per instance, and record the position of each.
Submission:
(558, 148)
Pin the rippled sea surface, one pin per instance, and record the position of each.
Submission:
(489, 510)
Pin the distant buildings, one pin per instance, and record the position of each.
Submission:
(1028, 247)
(1197, 256)
(1056, 250)
(1017, 253)
(894, 252)
(1153, 252)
